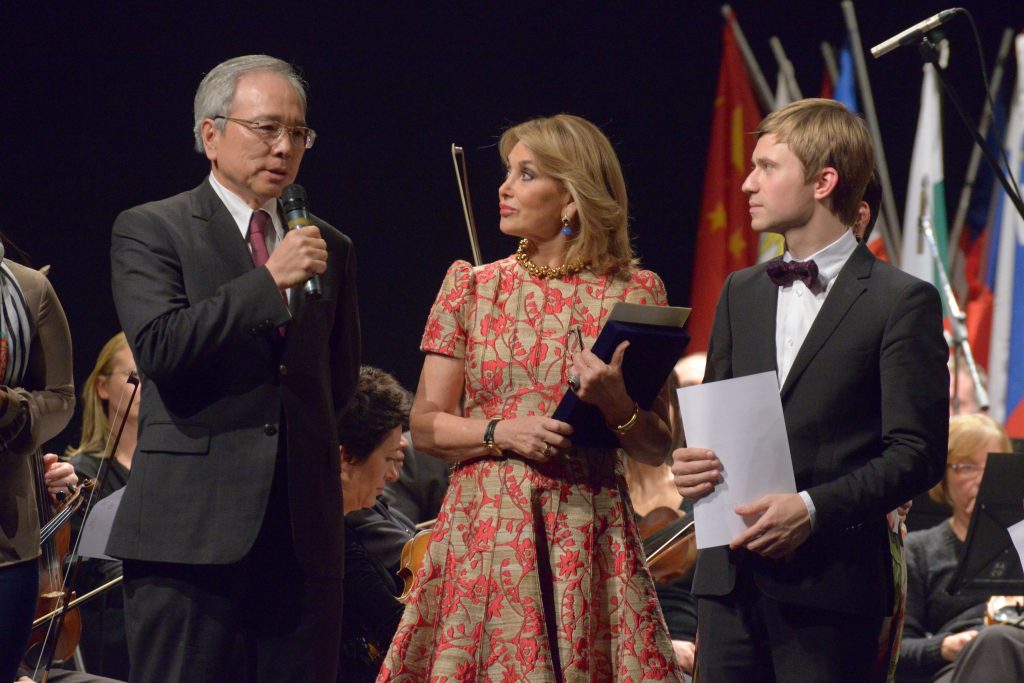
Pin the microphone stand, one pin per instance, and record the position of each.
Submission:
(930, 54)
(957, 317)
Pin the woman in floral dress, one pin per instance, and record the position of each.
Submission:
(535, 570)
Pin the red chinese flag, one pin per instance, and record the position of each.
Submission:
(725, 241)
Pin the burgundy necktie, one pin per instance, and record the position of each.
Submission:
(785, 273)
(260, 255)
(258, 237)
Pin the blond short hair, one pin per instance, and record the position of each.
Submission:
(577, 154)
(823, 133)
(967, 433)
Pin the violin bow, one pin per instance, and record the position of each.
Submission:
(45, 660)
(660, 549)
(462, 178)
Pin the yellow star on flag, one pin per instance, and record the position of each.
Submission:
(717, 217)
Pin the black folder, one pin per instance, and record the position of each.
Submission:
(656, 341)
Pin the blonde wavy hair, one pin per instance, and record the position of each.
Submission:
(577, 154)
(967, 433)
(94, 409)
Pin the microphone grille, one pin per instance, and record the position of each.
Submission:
(293, 197)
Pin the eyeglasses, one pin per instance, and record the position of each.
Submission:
(967, 469)
(271, 132)
(575, 340)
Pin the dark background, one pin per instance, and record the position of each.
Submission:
(98, 118)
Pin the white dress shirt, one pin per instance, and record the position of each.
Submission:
(798, 307)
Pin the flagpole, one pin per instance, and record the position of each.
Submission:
(764, 93)
(829, 55)
(957, 318)
(786, 67)
(975, 162)
(892, 247)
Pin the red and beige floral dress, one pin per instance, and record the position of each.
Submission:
(534, 571)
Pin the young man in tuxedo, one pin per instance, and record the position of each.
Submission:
(857, 345)
(229, 528)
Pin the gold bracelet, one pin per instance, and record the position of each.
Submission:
(492, 448)
(628, 424)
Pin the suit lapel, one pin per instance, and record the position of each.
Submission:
(221, 231)
(761, 317)
(850, 284)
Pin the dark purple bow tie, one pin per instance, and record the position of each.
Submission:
(784, 273)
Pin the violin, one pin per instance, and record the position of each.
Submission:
(670, 544)
(413, 552)
(60, 642)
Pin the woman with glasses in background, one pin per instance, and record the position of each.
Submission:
(943, 635)
(535, 569)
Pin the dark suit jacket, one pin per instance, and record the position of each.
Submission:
(866, 410)
(217, 382)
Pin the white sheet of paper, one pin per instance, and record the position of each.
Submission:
(741, 420)
(96, 529)
(1017, 536)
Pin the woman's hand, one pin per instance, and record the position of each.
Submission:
(601, 384)
(535, 437)
(952, 645)
(58, 476)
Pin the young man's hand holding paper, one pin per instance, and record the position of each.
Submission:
(741, 476)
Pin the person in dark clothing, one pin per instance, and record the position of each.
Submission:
(944, 636)
(372, 451)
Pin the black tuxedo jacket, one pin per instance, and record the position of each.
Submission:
(220, 387)
(866, 410)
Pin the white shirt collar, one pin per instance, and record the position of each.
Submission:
(832, 258)
(242, 212)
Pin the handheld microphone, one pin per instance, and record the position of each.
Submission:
(293, 199)
(914, 33)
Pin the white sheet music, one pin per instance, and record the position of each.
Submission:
(741, 420)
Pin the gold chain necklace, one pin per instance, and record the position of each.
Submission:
(545, 272)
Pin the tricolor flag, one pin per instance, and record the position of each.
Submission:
(971, 265)
(925, 186)
(1006, 279)
(725, 242)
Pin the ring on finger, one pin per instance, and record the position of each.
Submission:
(573, 382)
(547, 450)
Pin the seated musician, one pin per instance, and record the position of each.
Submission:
(104, 404)
(653, 493)
(944, 637)
(370, 434)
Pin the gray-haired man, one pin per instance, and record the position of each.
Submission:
(230, 527)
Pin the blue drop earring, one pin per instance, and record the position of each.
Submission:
(566, 229)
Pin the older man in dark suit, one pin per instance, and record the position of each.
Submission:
(229, 528)
(803, 593)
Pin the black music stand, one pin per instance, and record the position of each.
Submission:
(990, 564)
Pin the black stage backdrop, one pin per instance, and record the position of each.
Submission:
(98, 118)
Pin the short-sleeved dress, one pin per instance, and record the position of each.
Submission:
(535, 571)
